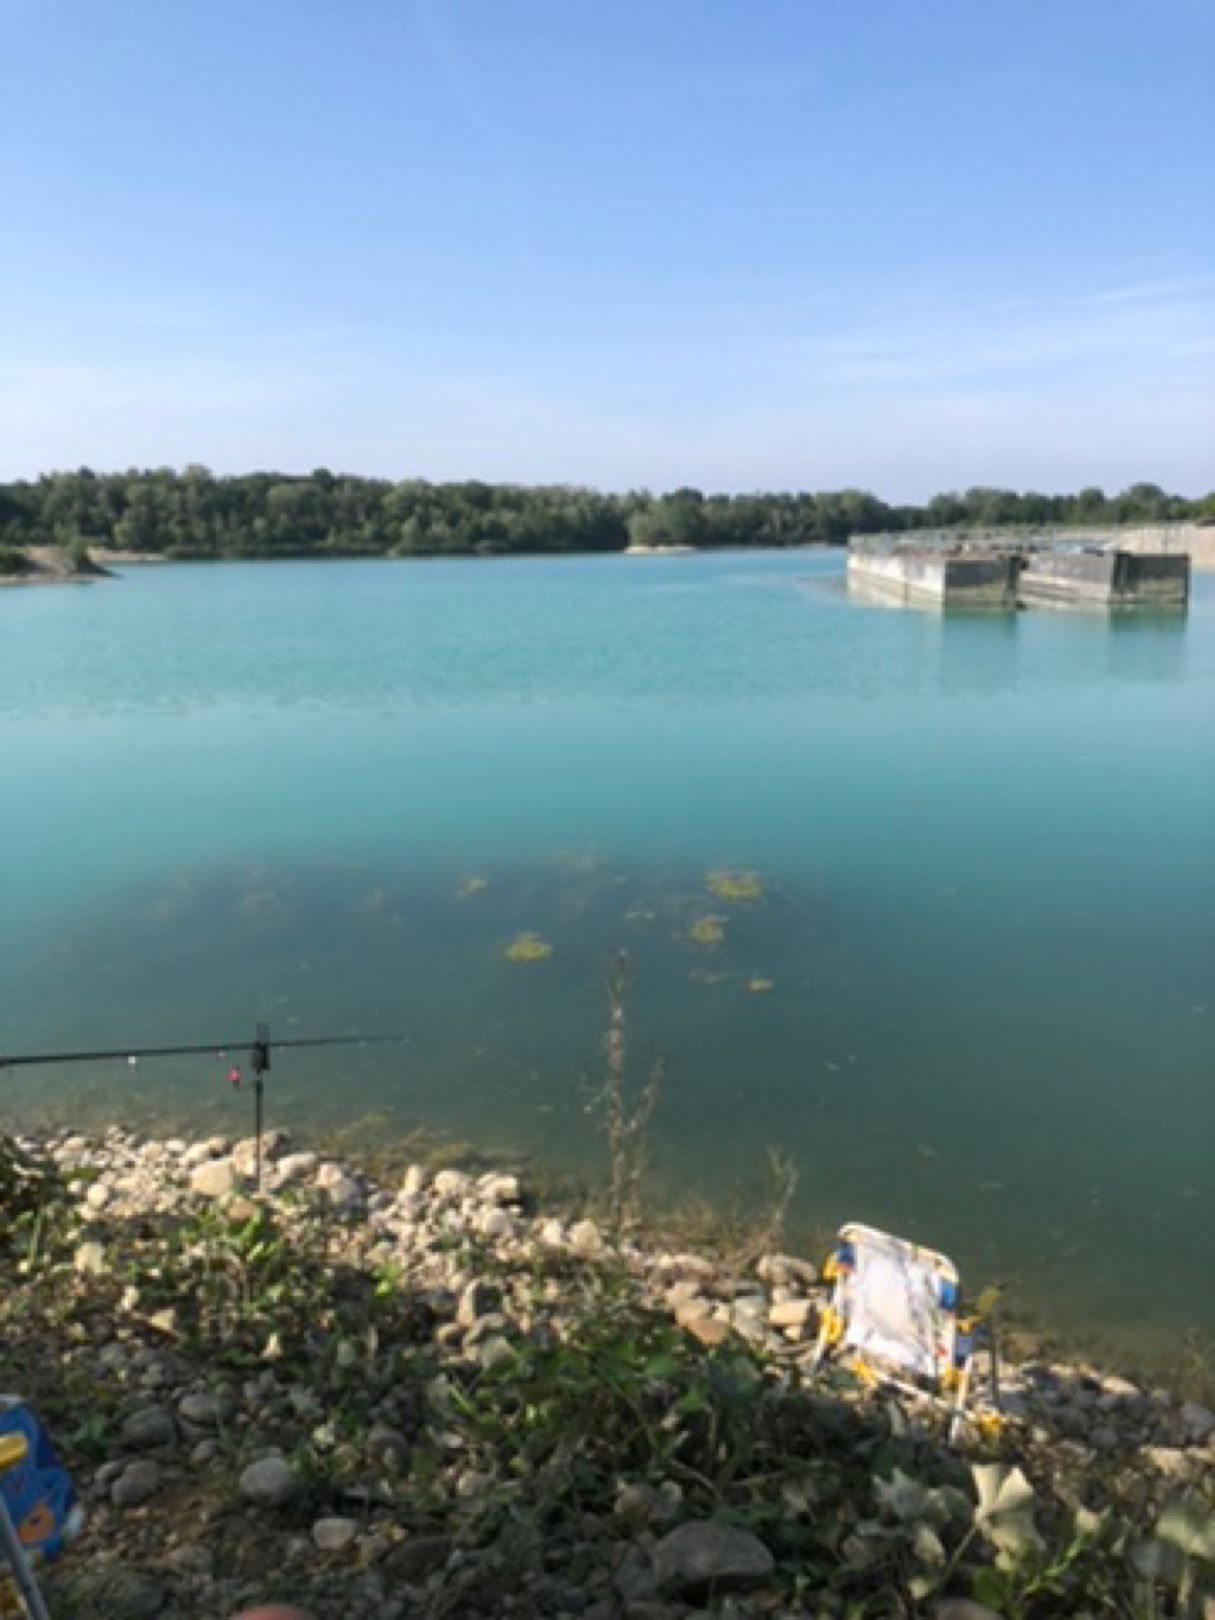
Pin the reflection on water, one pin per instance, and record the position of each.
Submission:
(927, 901)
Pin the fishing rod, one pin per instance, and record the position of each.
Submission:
(259, 1062)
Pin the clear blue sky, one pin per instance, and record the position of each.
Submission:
(902, 244)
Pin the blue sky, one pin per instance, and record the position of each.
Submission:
(901, 244)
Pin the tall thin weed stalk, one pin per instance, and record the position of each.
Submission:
(624, 1117)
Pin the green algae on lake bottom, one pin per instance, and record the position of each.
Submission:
(740, 886)
(528, 947)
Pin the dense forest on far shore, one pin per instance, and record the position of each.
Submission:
(195, 513)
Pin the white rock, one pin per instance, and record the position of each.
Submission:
(98, 1195)
(1172, 1461)
(334, 1535)
(294, 1168)
(552, 1234)
(343, 1193)
(495, 1223)
(791, 1313)
(89, 1260)
(213, 1179)
(586, 1239)
(415, 1180)
(499, 1189)
(451, 1183)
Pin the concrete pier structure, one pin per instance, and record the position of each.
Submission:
(935, 576)
(1002, 575)
(1105, 578)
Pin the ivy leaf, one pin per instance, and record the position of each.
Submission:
(911, 1502)
(1006, 1510)
(1190, 1527)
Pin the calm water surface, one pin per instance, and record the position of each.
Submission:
(974, 1001)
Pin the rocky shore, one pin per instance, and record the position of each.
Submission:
(430, 1398)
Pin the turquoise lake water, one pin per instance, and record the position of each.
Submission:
(974, 1001)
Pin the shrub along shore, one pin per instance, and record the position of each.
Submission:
(195, 513)
(425, 1396)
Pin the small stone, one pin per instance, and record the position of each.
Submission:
(1197, 1421)
(1114, 1385)
(499, 1189)
(213, 1179)
(451, 1183)
(635, 1504)
(495, 1352)
(792, 1313)
(494, 1223)
(634, 1578)
(149, 1427)
(414, 1180)
(586, 1239)
(271, 1482)
(204, 1452)
(137, 1484)
(205, 1411)
(118, 1594)
(334, 1535)
(706, 1330)
(98, 1195)
(551, 1234)
(1172, 1461)
(419, 1557)
(343, 1193)
(296, 1167)
(963, 1609)
(388, 1446)
(89, 1260)
(701, 1556)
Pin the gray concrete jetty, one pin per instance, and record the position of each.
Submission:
(1002, 574)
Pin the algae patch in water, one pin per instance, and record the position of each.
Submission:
(740, 886)
(708, 931)
(759, 987)
(528, 948)
(470, 885)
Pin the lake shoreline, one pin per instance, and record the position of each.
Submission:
(313, 1386)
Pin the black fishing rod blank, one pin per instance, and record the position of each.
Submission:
(259, 1064)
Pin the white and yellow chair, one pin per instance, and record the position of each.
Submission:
(894, 1319)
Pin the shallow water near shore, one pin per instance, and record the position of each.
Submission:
(969, 991)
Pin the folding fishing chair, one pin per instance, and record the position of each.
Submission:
(38, 1507)
(894, 1319)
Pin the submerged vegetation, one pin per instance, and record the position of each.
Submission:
(739, 886)
(709, 931)
(195, 513)
(528, 947)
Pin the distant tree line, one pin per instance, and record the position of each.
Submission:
(194, 513)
